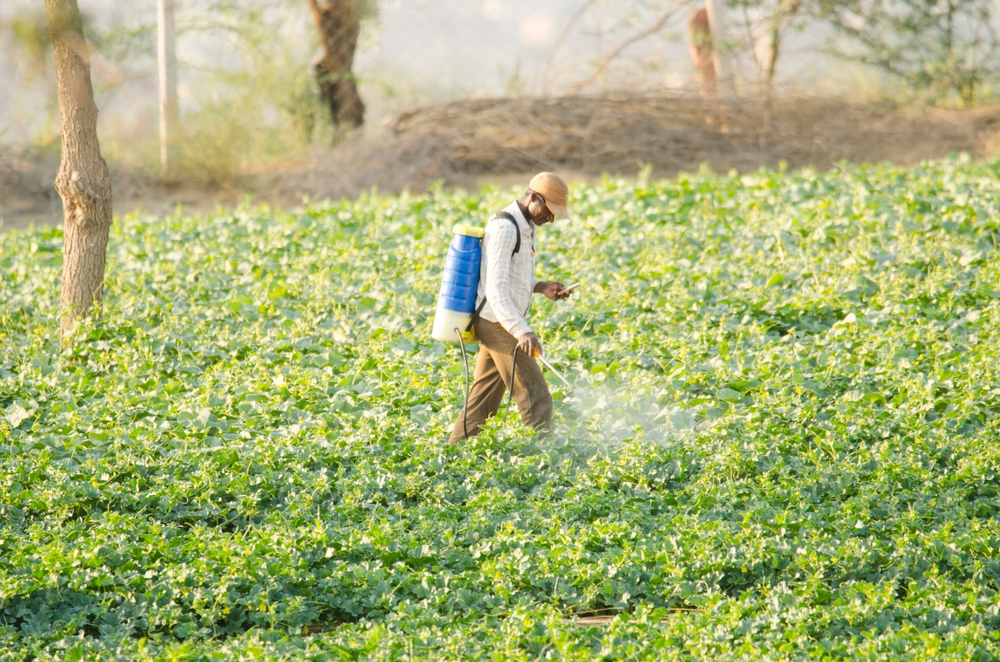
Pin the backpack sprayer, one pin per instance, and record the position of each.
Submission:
(459, 285)
(454, 319)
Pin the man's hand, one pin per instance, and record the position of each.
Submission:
(553, 290)
(529, 344)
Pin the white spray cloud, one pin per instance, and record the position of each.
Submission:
(612, 413)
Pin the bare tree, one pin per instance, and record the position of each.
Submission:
(655, 28)
(543, 77)
(767, 22)
(339, 25)
(83, 181)
(784, 14)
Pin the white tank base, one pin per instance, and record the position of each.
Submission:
(445, 323)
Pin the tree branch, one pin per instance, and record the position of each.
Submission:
(562, 36)
(666, 16)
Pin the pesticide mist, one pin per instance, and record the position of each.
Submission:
(610, 413)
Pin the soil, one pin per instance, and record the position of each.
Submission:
(504, 141)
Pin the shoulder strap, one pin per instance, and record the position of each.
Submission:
(517, 229)
(517, 249)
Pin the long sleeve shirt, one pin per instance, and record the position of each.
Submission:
(507, 282)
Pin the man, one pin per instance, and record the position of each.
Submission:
(506, 282)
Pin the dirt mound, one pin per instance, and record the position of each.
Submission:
(467, 142)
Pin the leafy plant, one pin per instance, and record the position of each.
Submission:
(784, 445)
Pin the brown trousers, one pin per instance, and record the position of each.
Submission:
(496, 347)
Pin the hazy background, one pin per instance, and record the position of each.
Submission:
(414, 52)
(466, 92)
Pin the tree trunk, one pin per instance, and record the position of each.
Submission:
(339, 26)
(784, 14)
(167, 66)
(700, 36)
(83, 181)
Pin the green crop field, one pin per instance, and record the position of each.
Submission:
(783, 444)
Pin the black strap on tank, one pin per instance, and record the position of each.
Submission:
(517, 249)
(517, 230)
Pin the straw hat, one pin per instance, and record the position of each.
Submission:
(553, 189)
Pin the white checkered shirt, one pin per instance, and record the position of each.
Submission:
(507, 282)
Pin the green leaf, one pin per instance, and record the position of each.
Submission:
(16, 414)
(775, 279)
(727, 394)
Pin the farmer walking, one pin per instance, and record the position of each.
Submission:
(506, 283)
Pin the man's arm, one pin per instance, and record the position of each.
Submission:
(529, 343)
(553, 290)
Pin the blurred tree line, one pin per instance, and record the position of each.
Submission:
(259, 83)
(288, 76)
(941, 47)
(940, 51)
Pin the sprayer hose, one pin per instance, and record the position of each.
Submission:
(513, 365)
(465, 407)
(465, 358)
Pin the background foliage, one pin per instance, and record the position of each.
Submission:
(945, 49)
(784, 441)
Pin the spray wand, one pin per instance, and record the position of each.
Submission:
(538, 355)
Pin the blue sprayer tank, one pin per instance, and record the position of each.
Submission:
(459, 284)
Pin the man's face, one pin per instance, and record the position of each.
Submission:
(540, 212)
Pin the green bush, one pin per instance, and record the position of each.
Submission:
(246, 118)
